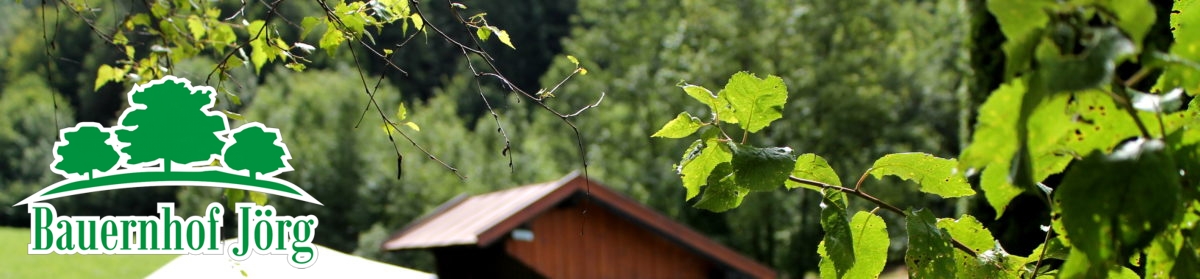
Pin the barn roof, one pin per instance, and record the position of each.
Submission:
(484, 219)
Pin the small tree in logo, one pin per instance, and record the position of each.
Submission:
(257, 150)
(85, 150)
(172, 122)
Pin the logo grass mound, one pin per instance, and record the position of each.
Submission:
(170, 136)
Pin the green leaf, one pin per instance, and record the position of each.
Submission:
(1161, 255)
(106, 74)
(722, 193)
(870, 239)
(761, 169)
(719, 105)
(1094, 68)
(259, 198)
(1103, 124)
(997, 189)
(401, 112)
(234, 196)
(935, 175)
(233, 115)
(1018, 18)
(930, 252)
(196, 27)
(696, 171)
(756, 102)
(994, 137)
(683, 125)
(573, 60)
(1115, 204)
(992, 261)
(483, 33)
(417, 22)
(502, 35)
(412, 125)
(812, 167)
(331, 40)
(969, 231)
(839, 242)
(258, 54)
(307, 25)
(223, 34)
(1186, 25)
(1133, 16)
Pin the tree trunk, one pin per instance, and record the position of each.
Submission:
(166, 165)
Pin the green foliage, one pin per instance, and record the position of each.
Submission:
(86, 150)
(683, 125)
(870, 243)
(935, 175)
(1123, 200)
(929, 249)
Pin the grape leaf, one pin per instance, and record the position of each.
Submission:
(935, 175)
(761, 169)
(870, 239)
(812, 167)
(756, 102)
(839, 244)
(683, 125)
(930, 252)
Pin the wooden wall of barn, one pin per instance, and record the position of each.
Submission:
(602, 244)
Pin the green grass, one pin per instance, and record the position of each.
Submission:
(19, 264)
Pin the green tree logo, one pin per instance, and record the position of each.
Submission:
(169, 122)
(165, 115)
(85, 148)
(257, 149)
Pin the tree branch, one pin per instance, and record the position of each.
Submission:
(876, 201)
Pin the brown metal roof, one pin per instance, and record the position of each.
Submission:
(481, 220)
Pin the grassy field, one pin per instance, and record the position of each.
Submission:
(18, 264)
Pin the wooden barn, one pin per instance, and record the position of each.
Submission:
(543, 231)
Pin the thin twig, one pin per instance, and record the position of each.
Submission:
(880, 203)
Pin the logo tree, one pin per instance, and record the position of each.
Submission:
(170, 120)
(85, 150)
(257, 150)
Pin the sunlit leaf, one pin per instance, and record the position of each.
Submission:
(930, 252)
(812, 167)
(695, 172)
(1186, 28)
(413, 126)
(683, 125)
(934, 175)
(234, 196)
(720, 106)
(756, 102)
(870, 240)
(196, 27)
(259, 198)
